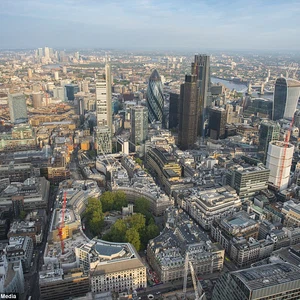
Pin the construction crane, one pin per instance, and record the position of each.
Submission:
(62, 223)
(199, 294)
(286, 143)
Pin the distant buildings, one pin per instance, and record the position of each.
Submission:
(155, 98)
(166, 253)
(286, 95)
(17, 108)
(104, 113)
(279, 161)
(37, 99)
(272, 281)
(269, 131)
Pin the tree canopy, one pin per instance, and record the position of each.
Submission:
(113, 201)
(94, 216)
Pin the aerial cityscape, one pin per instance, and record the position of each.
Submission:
(131, 171)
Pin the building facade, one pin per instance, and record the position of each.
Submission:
(217, 123)
(17, 108)
(155, 98)
(139, 124)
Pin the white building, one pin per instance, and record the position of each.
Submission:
(104, 112)
(17, 108)
(279, 160)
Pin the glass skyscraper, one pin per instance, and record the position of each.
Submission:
(155, 98)
(286, 95)
(17, 108)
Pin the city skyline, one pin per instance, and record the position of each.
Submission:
(150, 24)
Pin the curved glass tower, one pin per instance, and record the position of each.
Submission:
(155, 98)
(286, 95)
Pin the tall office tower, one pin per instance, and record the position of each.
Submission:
(64, 69)
(174, 111)
(29, 73)
(104, 112)
(77, 55)
(297, 118)
(47, 53)
(71, 91)
(60, 93)
(273, 281)
(85, 86)
(201, 68)
(155, 98)
(37, 99)
(279, 161)
(40, 52)
(139, 124)
(269, 131)
(56, 75)
(217, 123)
(17, 108)
(188, 112)
(51, 52)
(286, 95)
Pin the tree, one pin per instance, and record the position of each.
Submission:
(139, 161)
(152, 231)
(107, 200)
(142, 206)
(94, 216)
(22, 214)
(118, 231)
(137, 221)
(132, 236)
(119, 200)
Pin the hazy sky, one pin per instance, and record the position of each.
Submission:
(151, 24)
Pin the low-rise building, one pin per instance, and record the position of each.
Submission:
(180, 237)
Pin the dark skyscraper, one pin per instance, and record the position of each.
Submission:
(155, 98)
(188, 112)
(173, 110)
(217, 123)
(71, 90)
(286, 95)
(201, 68)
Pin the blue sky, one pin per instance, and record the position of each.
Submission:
(151, 24)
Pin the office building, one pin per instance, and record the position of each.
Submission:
(17, 108)
(269, 131)
(139, 124)
(201, 68)
(271, 281)
(279, 161)
(111, 266)
(155, 98)
(71, 90)
(166, 253)
(59, 284)
(188, 112)
(217, 123)
(248, 179)
(37, 99)
(286, 96)
(47, 53)
(258, 107)
(104, 112)
(59, 93)
(29, 73)
(207, 205)
(174, 111)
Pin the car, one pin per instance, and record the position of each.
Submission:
(157, 293)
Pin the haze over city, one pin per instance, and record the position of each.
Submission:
(150, 24)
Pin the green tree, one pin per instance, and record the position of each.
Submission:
(139, 161)
(137, 221)
(132, 236)
(118, 231)
(94, 216)
(152, 231)
(22, 214)
(107, 200)
(142, 205)
(119, 200)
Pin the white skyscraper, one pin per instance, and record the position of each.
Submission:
(47, 53)
(17, 108)
(104, 112)
(279, 161)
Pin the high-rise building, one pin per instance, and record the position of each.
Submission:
(269, 131)
(217, 123)
(17, 108)
(272, 281)
(29, 71)
(188, 112)
(37, 99)
(201, 68)
(56, 75)
(279, 161)
(71, 90)
(139, 124)
(47, 53)
(155, 98)
(104, 112)
(286, 96)
(174, 110)
(40, 52)
(60, 93)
